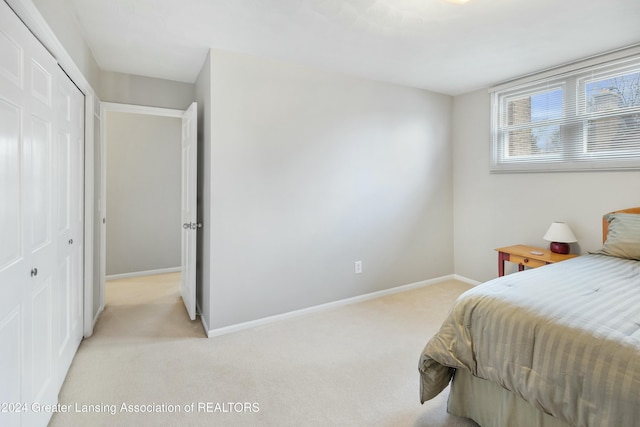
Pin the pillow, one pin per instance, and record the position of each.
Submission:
(623, 238)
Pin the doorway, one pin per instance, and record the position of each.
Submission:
(144, 169)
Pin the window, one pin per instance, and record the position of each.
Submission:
(585, 119)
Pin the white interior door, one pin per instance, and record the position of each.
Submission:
(190, 223)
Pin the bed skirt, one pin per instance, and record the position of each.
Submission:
(488, 404)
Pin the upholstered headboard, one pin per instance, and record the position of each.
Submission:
(605, 223)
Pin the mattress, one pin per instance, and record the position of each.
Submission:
(565, 338)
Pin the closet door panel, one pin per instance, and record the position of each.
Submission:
(63, 304)
(39, 193)
(63, 185)
(63, 147)
(40, 183)
(10, 362)
(11, 67)
(77, 211)
(41, 84)
(10, 185)
(14, 270)
(41, 361)
(69, 106)
(41, 222)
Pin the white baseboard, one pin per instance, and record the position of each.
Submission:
(202, 319)
(466, 280)
(321, 307)
(143, 273)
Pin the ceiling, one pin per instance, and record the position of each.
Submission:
(430, 44)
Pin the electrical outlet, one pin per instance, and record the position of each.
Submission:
(357, 266)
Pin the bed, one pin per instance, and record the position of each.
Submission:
(548, 347)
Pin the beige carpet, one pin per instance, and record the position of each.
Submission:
(350, 366)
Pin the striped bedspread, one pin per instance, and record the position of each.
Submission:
(564, 337)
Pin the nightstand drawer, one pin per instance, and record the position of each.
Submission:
(528, 256)
(529, 262)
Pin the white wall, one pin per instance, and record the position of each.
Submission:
(494, 210)
(147, 91)
(311, 171)
(304, 172)
(143, 192)
(59, 16)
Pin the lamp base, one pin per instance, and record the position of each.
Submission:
(559, 248)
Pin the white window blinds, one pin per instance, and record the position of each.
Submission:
(584, 119)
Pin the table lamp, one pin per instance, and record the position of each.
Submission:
(560, 235)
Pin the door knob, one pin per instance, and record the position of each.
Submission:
(34, 272)
(191, 225)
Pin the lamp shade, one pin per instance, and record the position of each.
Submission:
(560, 232)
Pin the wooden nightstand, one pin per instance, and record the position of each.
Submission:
(528, 256)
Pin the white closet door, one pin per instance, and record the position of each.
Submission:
(27, 260)
(13, 265)
(28, 250)
(69, 145)
(40, 212)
